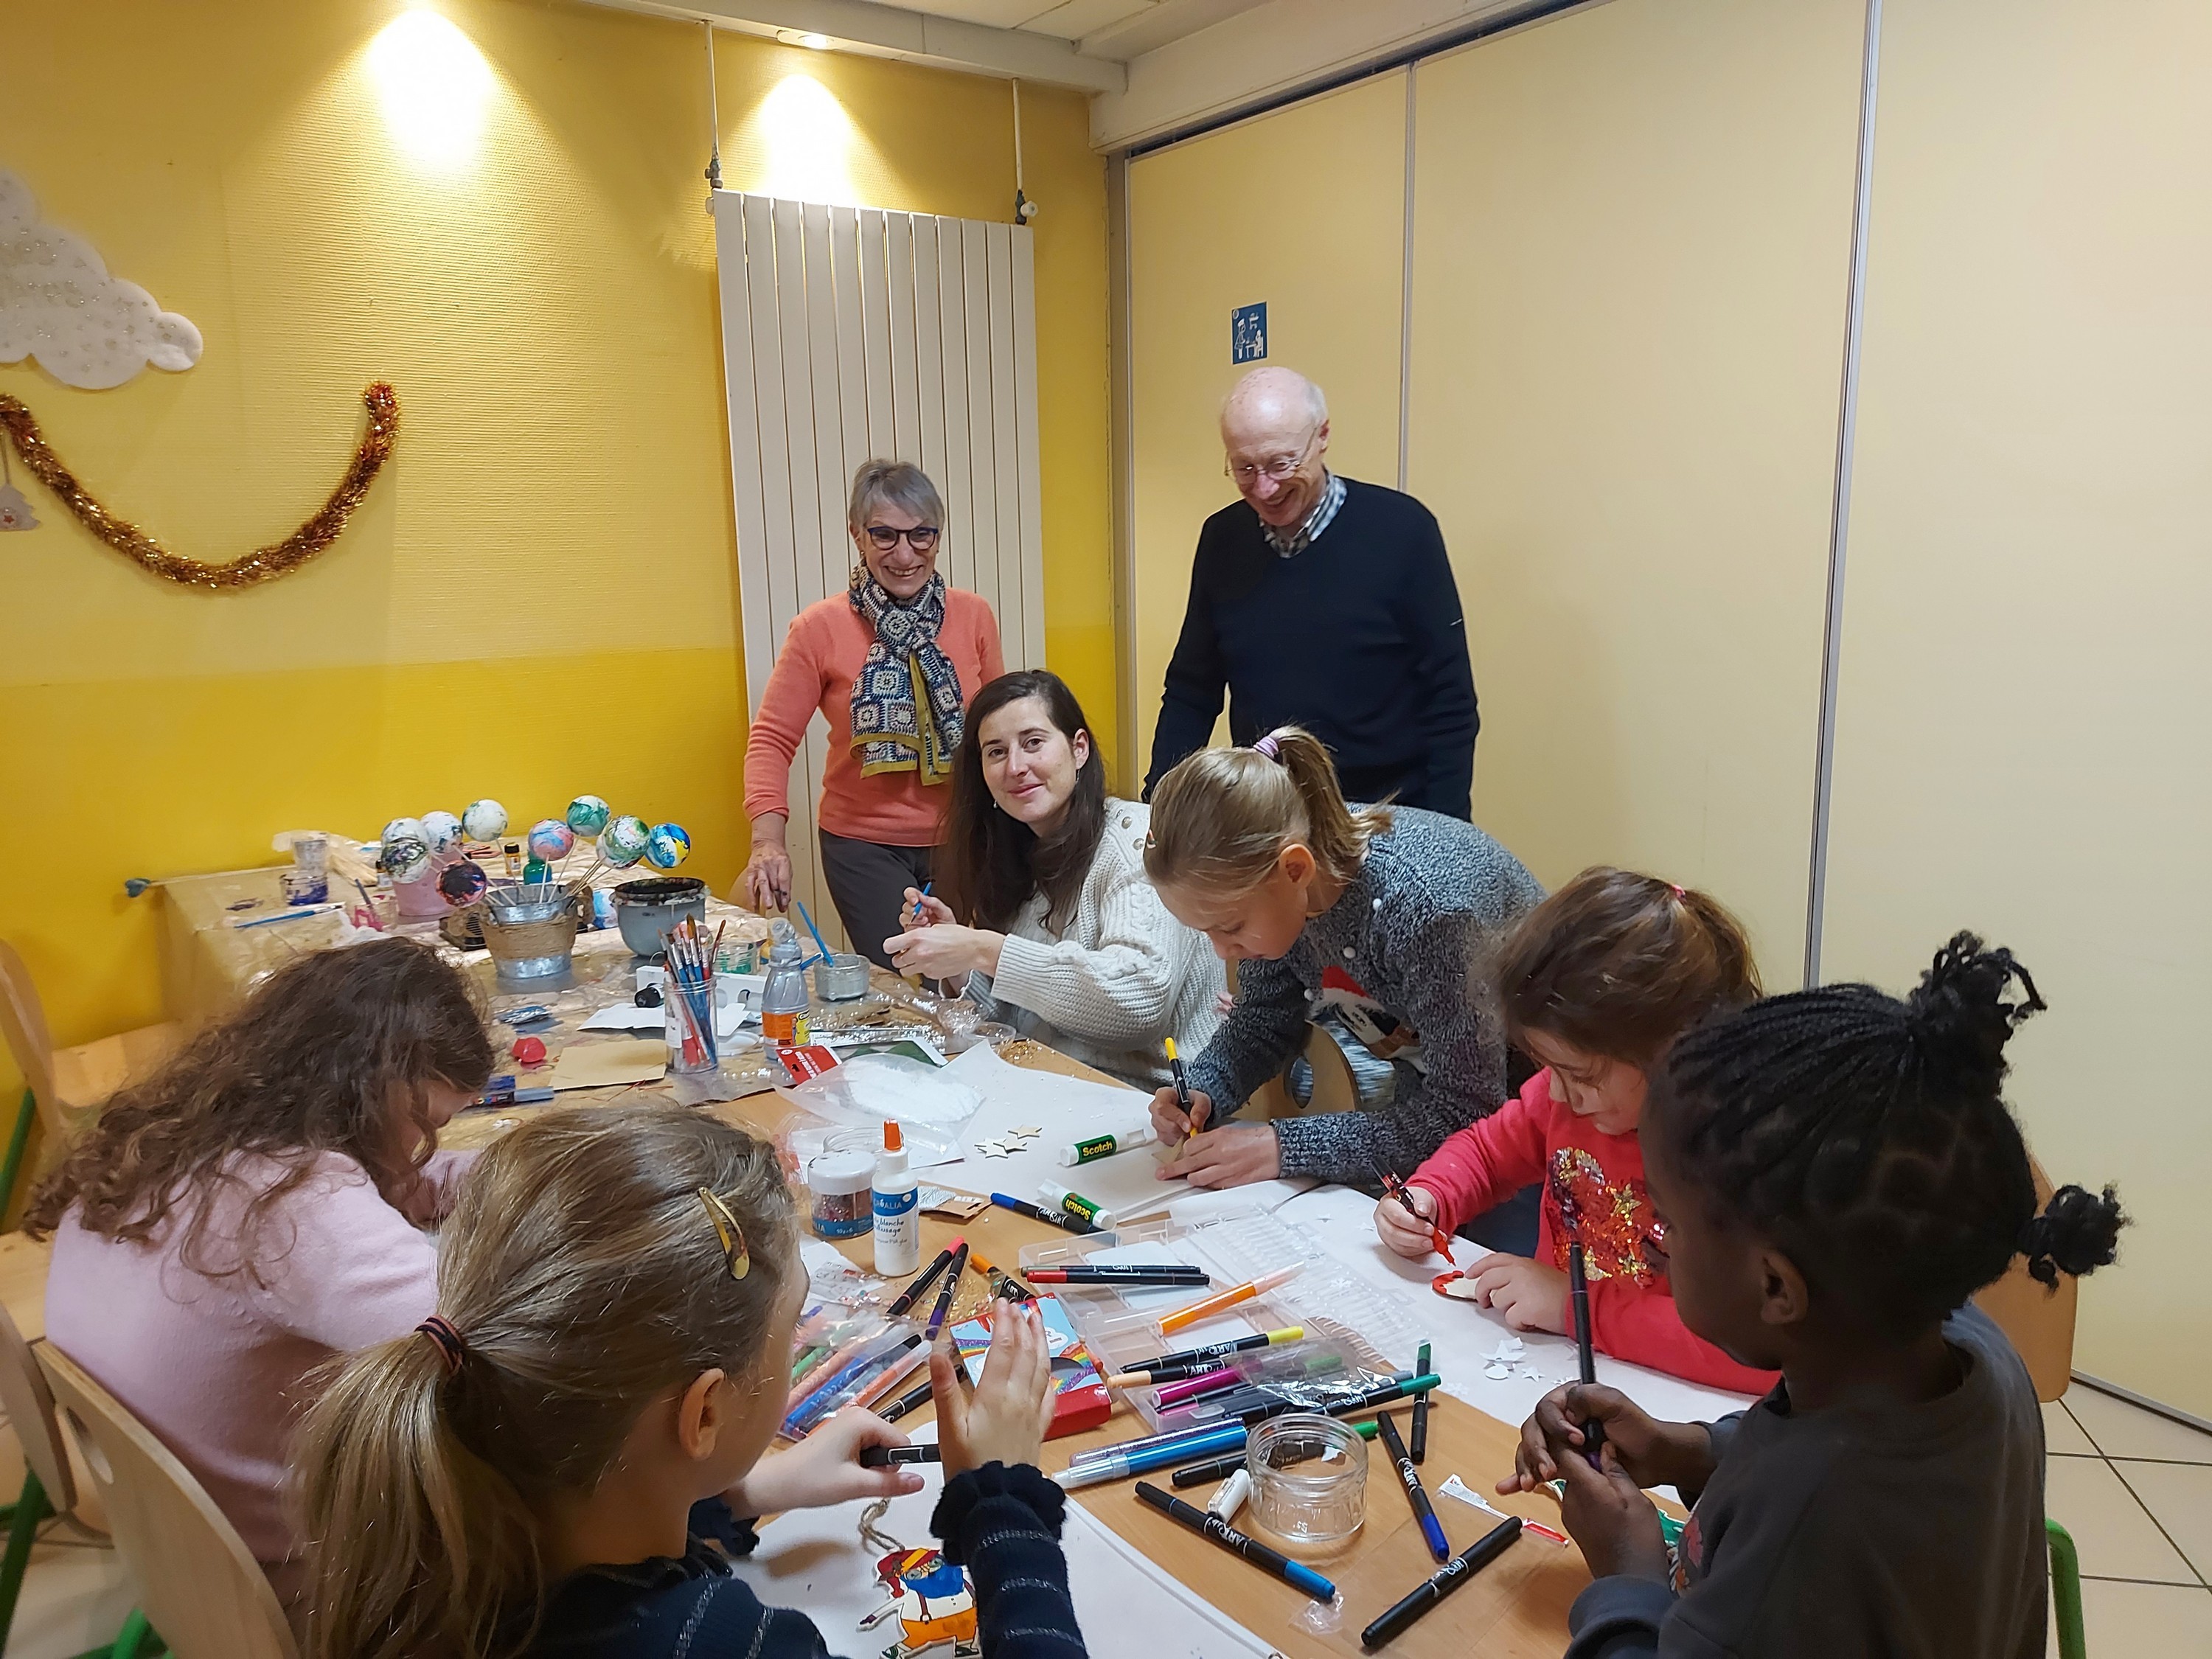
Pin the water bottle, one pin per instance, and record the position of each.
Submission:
(784, 1002)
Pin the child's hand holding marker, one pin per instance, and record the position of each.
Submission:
(1179, 1111)
(1648, 1451)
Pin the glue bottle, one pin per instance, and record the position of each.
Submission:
(783, 1003)
(897, 1204)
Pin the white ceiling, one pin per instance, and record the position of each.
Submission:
(1116, 29)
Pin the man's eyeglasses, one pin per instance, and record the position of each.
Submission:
(1280, 468)
(920, 538)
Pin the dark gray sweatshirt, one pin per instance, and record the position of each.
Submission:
(1907, 1532)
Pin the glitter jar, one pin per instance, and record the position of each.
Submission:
(1309, 1481)
(838, 1183)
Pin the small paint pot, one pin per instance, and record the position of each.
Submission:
(841, 979)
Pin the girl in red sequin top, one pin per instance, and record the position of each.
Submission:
(1596, 984)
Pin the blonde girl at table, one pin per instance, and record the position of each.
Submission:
(1063, 936)
(232, 1222)
(617, 1295)
(891, 663)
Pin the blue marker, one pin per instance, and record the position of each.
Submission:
(918, 911)
(1143, 1458)
(1213, 1527)
(1416, 1493)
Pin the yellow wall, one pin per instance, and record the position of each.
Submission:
(2021, 729)
(1304, 209)
(549, 559)
(1631, 230)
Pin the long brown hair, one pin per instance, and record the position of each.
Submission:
(332, 1053)
(990, 861)
(1621, 964)
(1223, 816)
(583, 1277)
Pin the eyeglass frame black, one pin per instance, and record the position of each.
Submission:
(875, 532)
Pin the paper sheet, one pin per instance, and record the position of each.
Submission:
(814, 1560)
(618, 1060)
(1463, 1336)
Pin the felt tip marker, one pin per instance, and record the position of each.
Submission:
(1181, 1087)
(1220, 1350)
(1075, 1204)
(1585, 1357)
(1144, 1457)
(1060, 1219)
(1416, 1494)
(884, 1457)
(1002, 1282)
(952, 1289)
(1123, 1274)
(913, 1399)
(1421, 1410)
(1441, 1582)
(1206, 1307)
(912, 1294)
(1298, 1577)
(1160, 1375)
(1172, 1394)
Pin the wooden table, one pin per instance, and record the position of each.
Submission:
(1516, 1609)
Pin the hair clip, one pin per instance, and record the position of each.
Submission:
(1266, 746)
(445, 1339)
(733, 1237)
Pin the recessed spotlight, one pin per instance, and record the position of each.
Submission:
(806, 37)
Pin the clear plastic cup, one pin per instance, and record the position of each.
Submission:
(1309, 1481)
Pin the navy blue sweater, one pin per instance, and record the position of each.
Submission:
(1359, 638)
(1001, 1523)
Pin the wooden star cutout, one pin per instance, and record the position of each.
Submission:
(1030, 1133)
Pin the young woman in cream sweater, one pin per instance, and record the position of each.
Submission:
(1062, 937)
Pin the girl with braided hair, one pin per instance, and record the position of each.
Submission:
(1839, 1173)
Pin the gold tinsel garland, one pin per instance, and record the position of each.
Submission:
(260, 566)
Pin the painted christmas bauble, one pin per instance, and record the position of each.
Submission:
(406, 859)
(463, 881)
(406, 830)
(442, 830)
(484, 820)
(588, 814)
(622, 843)
(666, 845)
(549, 840)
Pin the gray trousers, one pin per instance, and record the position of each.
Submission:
(868, 884)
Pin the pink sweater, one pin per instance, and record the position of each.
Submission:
(214, 1367)
(821, 658)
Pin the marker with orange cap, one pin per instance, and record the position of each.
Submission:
(1206, 1307)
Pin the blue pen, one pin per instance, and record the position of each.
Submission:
(1063, 1219)
(1213, 1527)
(918, 912)
(1416, 1493)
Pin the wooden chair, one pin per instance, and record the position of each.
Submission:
(200, 1585)
(50, 1484)
(64, 1086)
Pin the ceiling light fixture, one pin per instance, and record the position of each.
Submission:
(806, 37)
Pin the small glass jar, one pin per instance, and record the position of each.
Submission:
(1309, 1481)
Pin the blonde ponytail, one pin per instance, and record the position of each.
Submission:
(1222, 816)
(579, 1277)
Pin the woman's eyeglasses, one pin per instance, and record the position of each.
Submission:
(732, 1235)
(920, 538)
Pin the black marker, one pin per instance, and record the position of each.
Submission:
(912, 1400)
(882, 1457)
(1585, 1360)
(1441, 1582)
(952, 1288)
(1416, 1493)
(1060, 1219)
(1218, 1350)
(927, 1277)
(1213, 1527)
(1421, 1410)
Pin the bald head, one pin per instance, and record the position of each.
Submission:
(1274, 430)
(1271, 400)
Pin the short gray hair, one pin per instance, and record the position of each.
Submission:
(893, 484)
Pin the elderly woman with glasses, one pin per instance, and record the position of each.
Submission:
(891, 663)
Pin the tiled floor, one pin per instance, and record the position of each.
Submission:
(2135, 1489)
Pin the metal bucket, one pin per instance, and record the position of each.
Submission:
(530, 939)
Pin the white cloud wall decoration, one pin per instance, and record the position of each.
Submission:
(58, 303)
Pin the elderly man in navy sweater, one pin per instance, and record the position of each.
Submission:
(1324, 601)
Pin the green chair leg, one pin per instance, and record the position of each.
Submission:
(22, 1532)
(134, 1636)
(2066, 1592)
(16, 1141)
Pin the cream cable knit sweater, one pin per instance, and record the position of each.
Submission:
(1123, 975)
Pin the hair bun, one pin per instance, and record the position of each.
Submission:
(1958, 1017)
(2077, 1232)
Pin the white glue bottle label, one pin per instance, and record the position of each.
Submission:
(897, 1202)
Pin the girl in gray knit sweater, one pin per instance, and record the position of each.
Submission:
(1393, 915)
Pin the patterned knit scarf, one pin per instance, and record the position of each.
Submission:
(906, 699)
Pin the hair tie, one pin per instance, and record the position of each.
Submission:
(1266, 746)
(448, 1341)
(1679, 893)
